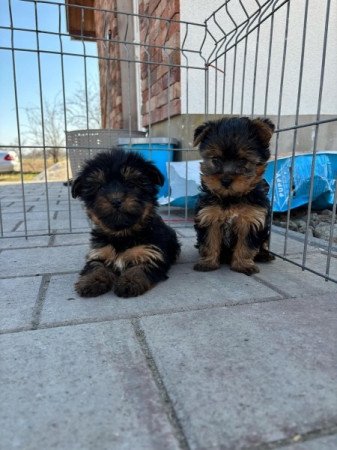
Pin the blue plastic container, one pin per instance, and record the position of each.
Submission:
(159, 150)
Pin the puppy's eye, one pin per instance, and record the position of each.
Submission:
(216, 161)
(243, 170)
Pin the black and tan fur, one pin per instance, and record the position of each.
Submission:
(233, 211)
(132, 248)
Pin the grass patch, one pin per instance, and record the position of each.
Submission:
(31, 168)
(16, 176)
(35, 165)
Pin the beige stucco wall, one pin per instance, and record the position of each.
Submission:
(198, 10)
(193, 80)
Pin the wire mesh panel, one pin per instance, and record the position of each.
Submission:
(276, 59)
(82, 74)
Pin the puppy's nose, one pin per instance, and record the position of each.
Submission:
(116, 202)
(226, 182)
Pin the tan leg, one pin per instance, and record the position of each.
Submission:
(210, 250)
(243, 255)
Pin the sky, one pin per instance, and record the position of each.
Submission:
(50, 18)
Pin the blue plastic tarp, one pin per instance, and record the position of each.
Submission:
(325, 172)
(185, 180)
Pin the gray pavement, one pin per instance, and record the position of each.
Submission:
(203, 361)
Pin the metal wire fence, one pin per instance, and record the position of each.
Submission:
(163, 75)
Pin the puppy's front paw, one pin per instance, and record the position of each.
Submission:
(94, 284)
(247, 268)
(129, 290)
(91, 290)
(132, 283)
(264, 256)
(205, 266)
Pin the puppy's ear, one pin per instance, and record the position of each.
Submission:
(155, 175)
(76, 187)
(200, 132)
(264, 128)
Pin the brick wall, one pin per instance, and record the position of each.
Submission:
(109, 69)
(160, 83)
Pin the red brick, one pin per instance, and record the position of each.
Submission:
(144, 6)
(144, 84)
(153, 6)
(161, 71)
(175, 107)
(164, 80)
(175, 74)
(173, 41)
(162, 98)
(144, 109)
(175, 91)
(144, 71)
(174, 28)
(174, 57)
(156, 88)
(145, 95)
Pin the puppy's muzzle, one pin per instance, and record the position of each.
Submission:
(226, 182)
(116, 203)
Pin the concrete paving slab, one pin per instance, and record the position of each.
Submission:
(69, 239)
(18, 297)
(323, 443)
(185, 289)
(78, 224)
(293, 246)
(189, 254)
(41, 207)
(187, 231)
(17, 207)
(16, 191)
(291, 280)
(78, 213)
(313, 242)
(15, 216)
(84, 387)
(22, 242)
(35, 261)
(10, 223)
(318, 262)
(248, 375)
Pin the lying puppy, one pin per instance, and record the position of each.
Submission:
(232, 217)
(132, 248)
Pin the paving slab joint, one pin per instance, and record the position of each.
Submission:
(297, 438)
(40, 300)
(266, 283)
(51, 240)
(16, 226)
(166, 400)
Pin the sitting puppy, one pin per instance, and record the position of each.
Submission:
(233, 212)
(131, 247)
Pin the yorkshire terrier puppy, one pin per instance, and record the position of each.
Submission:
(232, 217)
(132, 248)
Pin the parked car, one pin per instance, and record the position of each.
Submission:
(9, 161)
